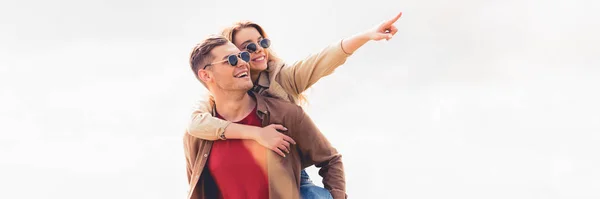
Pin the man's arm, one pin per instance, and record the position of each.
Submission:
(316, 150)
(205, 126)
(187, 152)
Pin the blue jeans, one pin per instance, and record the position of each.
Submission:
(308, 190)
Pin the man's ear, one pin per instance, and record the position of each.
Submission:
(204, 75)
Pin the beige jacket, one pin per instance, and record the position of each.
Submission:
(311, 148)
(279, 80)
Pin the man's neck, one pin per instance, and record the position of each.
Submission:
(234, 106)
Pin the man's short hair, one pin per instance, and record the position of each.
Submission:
(201, 55)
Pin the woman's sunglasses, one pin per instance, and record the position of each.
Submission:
(253, 47)
(233, 59)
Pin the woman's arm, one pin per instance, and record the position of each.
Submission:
(205, 126)
(301, 75)
(386, 30)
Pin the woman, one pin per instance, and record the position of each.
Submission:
(272, 77)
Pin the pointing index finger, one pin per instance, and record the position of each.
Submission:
(392, 21)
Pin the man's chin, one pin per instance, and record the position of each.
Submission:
(247, 86)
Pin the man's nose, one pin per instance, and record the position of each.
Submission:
(241, 62)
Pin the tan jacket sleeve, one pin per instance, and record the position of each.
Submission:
(301, 75)
(316, 150)
(203, 125)
(188, 164)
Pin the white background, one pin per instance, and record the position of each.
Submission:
(471, 99)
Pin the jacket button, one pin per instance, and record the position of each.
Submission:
(205, 155)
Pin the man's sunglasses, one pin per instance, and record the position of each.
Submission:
(264, 43)
(233, 59)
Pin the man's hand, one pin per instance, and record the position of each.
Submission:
(386, 30)
(272, 139)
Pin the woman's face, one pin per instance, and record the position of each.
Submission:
(258, 59)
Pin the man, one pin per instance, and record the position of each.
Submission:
(243, 168)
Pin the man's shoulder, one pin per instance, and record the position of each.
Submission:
(282, 111)
(279, 105)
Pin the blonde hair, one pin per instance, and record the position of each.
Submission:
(273, 59)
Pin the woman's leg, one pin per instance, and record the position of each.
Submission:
(308, 190)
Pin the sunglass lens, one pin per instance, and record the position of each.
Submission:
(265, 43)
(251, 47)
(245, 56)
(233, 60)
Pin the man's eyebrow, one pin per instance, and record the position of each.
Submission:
(225, 57)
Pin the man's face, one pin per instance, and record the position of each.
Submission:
(225, 76)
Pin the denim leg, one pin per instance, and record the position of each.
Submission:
(308, 190)
(304, 178)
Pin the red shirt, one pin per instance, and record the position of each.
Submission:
(239, 166)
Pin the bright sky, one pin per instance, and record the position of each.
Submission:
(471, 99)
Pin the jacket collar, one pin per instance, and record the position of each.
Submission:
(264, 78)
(261, 106)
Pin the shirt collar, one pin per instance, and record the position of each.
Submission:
(261, 106)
